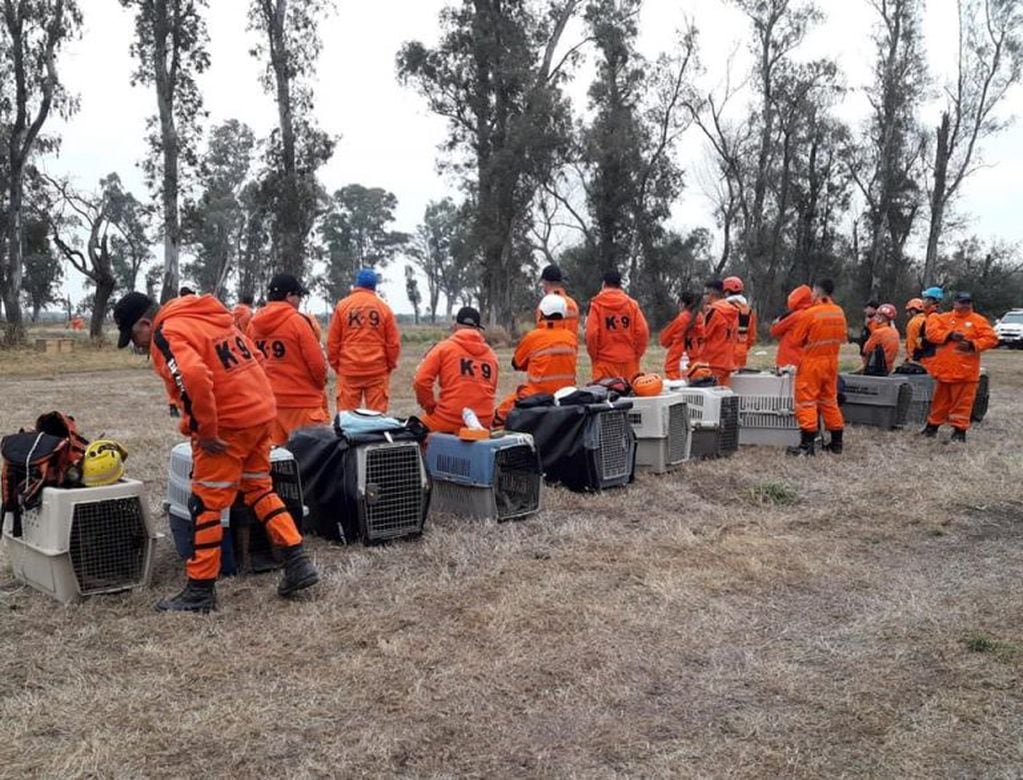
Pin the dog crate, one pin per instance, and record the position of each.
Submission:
(663, 435)
(714, 417)
(393, 490)
(247, 538)
(767, 409)
(983, 399)
(615, 456)
(494, 479)
(83, 541)
(877, 401)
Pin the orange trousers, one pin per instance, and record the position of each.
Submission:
(438, 424)
(289, 420)
(217, 480)
(603, 369)
(373, 392)
(817, 394)
(952, 403)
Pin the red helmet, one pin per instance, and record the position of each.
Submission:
(888, 311)
(733, 285)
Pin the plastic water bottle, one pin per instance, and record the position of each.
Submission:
(471, 420)
(683, 364)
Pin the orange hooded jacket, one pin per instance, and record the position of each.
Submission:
(211, 371)
(242, 314)
(548, 356)
(720, 331)
(294, 361)
(789, 352)
(886, 337)
(953, 361)
(679, 342)
(616, 330)
(466, 368)
(363, 339)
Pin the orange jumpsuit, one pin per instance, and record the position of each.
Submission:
(887, 338)
(571, 321)
(913, 334)
(466, 368)
(790, 353)
(242, 314)
(213, 375)
(363, 345)
(746, 334)
(720, 331)
(548, 356)
(821, 331)
(294, 364)
(956, 364)
(617, 335)
(681, 340)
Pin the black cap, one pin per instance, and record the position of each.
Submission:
(129, 310)
(469, 316)
(612, 278)
(715, 284)
(552, 273)
(286, 284)
(185, 291)
(963, 297)
(871, 305)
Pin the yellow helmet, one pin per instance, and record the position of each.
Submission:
(103, 463)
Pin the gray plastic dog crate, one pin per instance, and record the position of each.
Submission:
(877, 401)
(767, 409)
(663, 433)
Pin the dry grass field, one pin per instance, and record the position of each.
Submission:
(758, 616)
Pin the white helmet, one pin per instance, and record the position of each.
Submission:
(553, 305)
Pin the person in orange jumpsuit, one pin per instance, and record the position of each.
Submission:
(746, 334)
(242, 313)
(683, 336)
(720, 331)
(552, 282)
(960, 336)
(293, 358)
(925, 349)
(363, 345)
(547, 354)
(821, 331)
(915, 313)
(617, 333)
(790, 353)
(882, 348)
(213, 374)
(465, 367)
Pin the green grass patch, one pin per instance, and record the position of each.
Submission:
(1007, 652)
(774, 493)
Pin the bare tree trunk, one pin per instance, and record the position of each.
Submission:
(169, 140)
(15, 261)
(938, 201)
(104, 290)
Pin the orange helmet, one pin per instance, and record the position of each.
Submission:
(646, 385)
(733, 285)
(916, 304)
(887, 311)
(698, 370)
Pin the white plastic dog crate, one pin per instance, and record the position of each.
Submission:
(714, 417)
(84, 541)
(494, 479)
(767, 409)
(393, 490)
(877, 401)
(663, 434)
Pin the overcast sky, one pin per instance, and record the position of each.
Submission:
(388, 139)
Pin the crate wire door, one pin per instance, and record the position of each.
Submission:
(392, 490)
(615, 445)
(108, 544)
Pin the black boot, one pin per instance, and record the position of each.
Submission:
(198, 596)
(299, 571)
(930, 431)
(958, 435)
(806, 444)
(835, 445)
(174, 411)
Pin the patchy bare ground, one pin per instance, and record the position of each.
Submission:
(756, 616)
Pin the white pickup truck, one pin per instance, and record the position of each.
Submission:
(1010, 329)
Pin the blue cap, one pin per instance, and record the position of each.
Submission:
(367, 278)
(933, 292)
